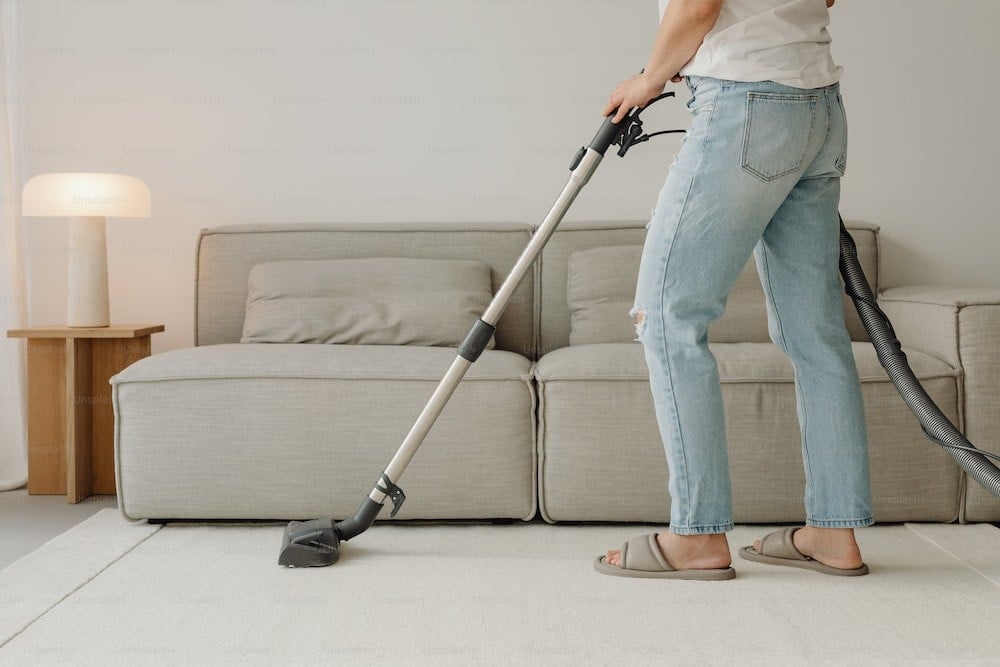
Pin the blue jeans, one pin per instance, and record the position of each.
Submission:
(759, 172)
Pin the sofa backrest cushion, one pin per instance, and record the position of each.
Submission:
(600, 291)
(366, 301)
(601, 284)
(226, 256)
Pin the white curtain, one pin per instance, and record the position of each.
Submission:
(13, 297)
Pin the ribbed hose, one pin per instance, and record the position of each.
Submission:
(935, 425)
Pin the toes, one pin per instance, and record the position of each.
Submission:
(756, 546)
(613, 556)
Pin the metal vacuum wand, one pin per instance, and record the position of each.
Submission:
(317, 542)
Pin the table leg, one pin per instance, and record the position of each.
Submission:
(79, 422)
(47, 416)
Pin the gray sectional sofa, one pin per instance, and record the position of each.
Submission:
(309, 368)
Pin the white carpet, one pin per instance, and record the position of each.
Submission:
(108, 592)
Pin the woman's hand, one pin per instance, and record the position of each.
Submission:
(635, 91)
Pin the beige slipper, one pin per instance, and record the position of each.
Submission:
(777, 548)
(641, 558)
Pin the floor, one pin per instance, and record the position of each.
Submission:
(518, 594)
(28, 522)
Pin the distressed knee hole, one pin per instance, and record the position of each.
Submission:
(640, 323)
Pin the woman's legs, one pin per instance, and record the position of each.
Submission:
(749, 149)
(745, 151)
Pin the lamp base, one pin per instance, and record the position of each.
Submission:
(87, 300)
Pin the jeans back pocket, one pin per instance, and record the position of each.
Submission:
(777, 133)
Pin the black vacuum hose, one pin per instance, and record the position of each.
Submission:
(935, 425)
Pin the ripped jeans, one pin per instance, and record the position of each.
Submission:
(758, 173)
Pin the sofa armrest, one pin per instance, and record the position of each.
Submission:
(962, 327)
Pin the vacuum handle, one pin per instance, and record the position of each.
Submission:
(609, 129)
(611, 132)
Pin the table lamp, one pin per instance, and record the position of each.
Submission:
(87, 198)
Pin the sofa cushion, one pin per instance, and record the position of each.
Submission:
(298, 431)
(594, 467)
(227, 254)
(367, 301)
(600, 290)
(745, 319)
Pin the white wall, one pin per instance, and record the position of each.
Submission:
(246, 111)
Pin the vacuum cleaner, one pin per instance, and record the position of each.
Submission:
(317, 542)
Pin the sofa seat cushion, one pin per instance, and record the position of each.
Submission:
(257, 431)
(601, 456)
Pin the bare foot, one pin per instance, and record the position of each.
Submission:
(688, 552)
(835, 547)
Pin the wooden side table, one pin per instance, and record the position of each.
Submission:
(70, 417)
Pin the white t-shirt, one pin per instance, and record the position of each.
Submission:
(785, 41)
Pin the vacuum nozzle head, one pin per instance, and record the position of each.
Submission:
(310, 544)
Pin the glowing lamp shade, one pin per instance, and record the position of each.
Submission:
(87, 199)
